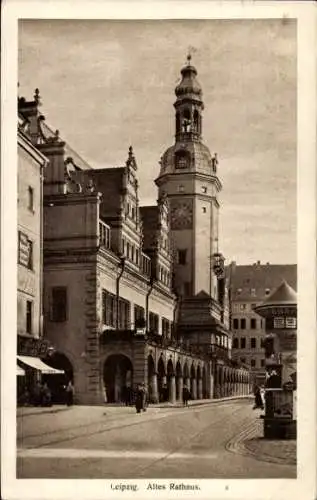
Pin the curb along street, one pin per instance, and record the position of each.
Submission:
(240, 444)
(27, 411)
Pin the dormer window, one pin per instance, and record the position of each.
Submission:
(181, 160)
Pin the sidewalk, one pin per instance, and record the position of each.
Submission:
(25, 411)
(251, 442)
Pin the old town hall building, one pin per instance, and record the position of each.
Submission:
(135, 293)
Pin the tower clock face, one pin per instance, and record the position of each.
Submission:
(182, 214)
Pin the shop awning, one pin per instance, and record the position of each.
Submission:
(20, 371)
(38, 364)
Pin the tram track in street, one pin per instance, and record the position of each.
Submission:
(176, 450)
(108, 426)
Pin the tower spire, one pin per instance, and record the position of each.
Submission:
(189, 104)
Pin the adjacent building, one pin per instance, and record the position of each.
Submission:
(249, 286)
(130, 293)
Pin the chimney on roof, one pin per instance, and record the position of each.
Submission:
(258, 263)
(267, 263)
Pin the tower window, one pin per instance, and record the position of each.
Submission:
(181, 160)
(196, 121)
(203, 189)
(204, 210)
(181, 257)
(180, 189)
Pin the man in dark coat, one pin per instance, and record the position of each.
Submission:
(139, 400)
(186, 395)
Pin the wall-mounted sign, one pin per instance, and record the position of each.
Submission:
(24, 250)
(28, 346)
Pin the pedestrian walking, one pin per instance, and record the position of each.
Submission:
(186, 396)
(139, 398)
(258, 402)
(145, 396)
(46, 398)
(70, 394)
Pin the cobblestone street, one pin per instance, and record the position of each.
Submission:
(115, 442)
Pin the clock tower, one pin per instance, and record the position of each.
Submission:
(188, 178)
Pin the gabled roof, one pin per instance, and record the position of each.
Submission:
(202, 295)
(261, 278)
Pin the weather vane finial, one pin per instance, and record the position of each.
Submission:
(191, 51)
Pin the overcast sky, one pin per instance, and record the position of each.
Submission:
(108, 84)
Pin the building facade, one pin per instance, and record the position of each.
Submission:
(30, 342)
(249, 286)
(126, 295)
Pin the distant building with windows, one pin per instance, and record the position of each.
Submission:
(248, 286)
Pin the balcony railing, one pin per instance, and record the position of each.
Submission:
(104, 235)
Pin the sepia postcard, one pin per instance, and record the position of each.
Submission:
(158, 250)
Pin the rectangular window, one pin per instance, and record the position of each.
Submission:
(182, 257)
(59, 304)
(253, 343)
(153, 322)
(108, 309)
(253, 363)
(30, 198)
(262, 362)
(243, 323)
(204, 210)
(139, 316)
(290, 322)
(262, 343)
(124, 314)
(253, 292)
(243, 307)
(253, 324)
(235, 323)
(279, 322)
(242, 360)
(242, 343)
(235, 344)
(166, 328)
(29, 314)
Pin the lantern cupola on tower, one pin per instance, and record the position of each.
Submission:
(188, 105)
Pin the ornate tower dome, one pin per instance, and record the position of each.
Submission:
(188, 153)
(188, 178)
